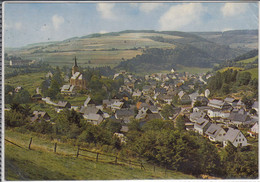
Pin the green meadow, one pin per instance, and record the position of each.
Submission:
(41, 163)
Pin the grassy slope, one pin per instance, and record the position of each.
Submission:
(254, 72)
(24, 164)
(29, 81)
(248, 60)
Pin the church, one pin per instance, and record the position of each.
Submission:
(77, 80)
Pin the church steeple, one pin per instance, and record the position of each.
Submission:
(75, 68)
(75, 64)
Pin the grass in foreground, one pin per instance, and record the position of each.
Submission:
(24, 164)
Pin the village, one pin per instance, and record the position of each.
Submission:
(164, 96)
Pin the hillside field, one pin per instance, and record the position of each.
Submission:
(42, 164)
(28, 81)
(100, 51)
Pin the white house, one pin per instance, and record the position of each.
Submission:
(254, 130)
(236, 137)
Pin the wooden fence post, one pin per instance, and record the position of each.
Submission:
(30, 144)
(116, 161)
(55, 146)
(97, 157)
(77, 152)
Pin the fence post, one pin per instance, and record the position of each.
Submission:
(78, 151)
(154, 168)
(97, 157)
(116, 161)
(55, 146)
(30, 144)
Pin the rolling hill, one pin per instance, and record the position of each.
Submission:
(177, 48)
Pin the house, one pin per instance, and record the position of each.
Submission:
(90, 110)
(118, 105)
(124, 129)
(137, 94)
(160, 91)
(68, 90)
(196, 115)
(165, 98)
(255, 106)
(95, 119)
(240, 104)
(185, 99)
(201, 125)
(207, 93)
(49, 75)
(218, 104)
(219, 113)
(254, 130)
(146, 89)
(89, 102)
(215, 133)
(238, 117)
(233, 102)
(64, 104)
(107, 103)
(236, 137)
(203, 100)
(36, 97)
(40, 115)
(125, 115)
(18, 89)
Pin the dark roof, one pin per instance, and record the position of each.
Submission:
(90, 110)
(153, 116)
(160, 90)
(125, 113)
(238, 117)
(213, 130)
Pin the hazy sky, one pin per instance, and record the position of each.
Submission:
(26, 23)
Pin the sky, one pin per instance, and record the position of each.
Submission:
(26, 23)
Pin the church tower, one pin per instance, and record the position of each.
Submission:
(75, 68)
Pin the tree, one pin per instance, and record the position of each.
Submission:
(225, 88)
(167, 111)
(22, 97)
(197, 104)
(180, 122)
(243, 78)
(111, 125)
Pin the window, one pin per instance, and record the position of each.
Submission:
(240, 139)
(239, 135)
(243, 139)
(236, 140)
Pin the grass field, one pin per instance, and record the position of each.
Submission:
(29, 81)
(248, 60)
(104, 50)
(42, 164)
(254, 72)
